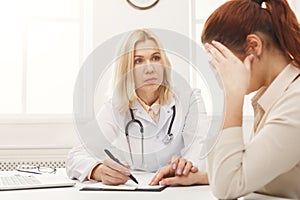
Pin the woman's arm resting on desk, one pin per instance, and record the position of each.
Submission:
(197, 178)
(168, 175)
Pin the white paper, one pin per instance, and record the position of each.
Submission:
(143, 178)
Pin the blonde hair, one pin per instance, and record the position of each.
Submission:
(124, 85)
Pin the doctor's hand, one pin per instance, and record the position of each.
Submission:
(111, 173)
(179, 167)
(193, 178)
(182, 166)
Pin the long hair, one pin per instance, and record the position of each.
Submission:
(232, 22)
(124, 85)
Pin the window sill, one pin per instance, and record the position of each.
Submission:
(36, 119)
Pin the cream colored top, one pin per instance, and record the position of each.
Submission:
(152, 110)
(270, 162)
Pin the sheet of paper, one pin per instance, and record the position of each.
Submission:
(143, 178)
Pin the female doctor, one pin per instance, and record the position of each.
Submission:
(148, 123)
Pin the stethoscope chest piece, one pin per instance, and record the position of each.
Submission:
(168, 138)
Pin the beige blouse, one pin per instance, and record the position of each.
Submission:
(152, 110)
(270, 162)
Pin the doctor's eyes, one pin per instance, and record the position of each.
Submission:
(156, 58)
(139, 61)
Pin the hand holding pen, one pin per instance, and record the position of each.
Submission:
(111, 173)
(117, 161)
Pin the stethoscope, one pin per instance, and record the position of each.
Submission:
(167, 139)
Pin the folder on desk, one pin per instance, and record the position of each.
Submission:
(143, 188)
(143, 178)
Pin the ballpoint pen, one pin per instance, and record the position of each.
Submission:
(28, 171)
(116, 160)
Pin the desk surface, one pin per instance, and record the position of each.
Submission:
(73, 193)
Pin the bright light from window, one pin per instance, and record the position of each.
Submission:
(10, 57)
(40, 55)
(52, 63)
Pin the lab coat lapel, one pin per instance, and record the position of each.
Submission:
(166, 113)
(140, 113)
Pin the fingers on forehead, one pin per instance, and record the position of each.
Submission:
(223, 49)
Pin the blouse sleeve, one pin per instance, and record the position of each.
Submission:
(236, 169)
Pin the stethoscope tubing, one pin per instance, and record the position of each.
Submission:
(133, 120)
(142, 135)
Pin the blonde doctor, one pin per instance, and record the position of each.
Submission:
(148, 123)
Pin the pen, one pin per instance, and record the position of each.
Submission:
(28, 171)
(116, 160)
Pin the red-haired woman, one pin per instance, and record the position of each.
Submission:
(256, 48)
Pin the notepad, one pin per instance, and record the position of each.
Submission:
(143, 179)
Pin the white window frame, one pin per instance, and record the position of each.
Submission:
(85, 47)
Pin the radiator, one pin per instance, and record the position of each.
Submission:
(10, 158)
(8, 166)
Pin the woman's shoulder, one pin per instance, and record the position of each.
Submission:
(294, 87)
(289, 101)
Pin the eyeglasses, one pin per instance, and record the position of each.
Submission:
(36, 169)
(49, 170)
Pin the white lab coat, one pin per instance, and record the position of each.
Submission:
(189, 129)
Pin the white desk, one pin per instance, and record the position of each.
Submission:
(73, 193)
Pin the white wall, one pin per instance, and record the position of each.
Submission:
(109, 18)
(117, 16)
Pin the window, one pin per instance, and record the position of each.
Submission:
(200, 11)
(42, 48)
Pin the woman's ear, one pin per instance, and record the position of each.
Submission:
(254, 45)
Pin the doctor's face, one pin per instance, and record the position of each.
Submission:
(148, 68)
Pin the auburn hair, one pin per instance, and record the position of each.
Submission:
(232, 22)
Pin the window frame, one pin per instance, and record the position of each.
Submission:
(85, 22)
